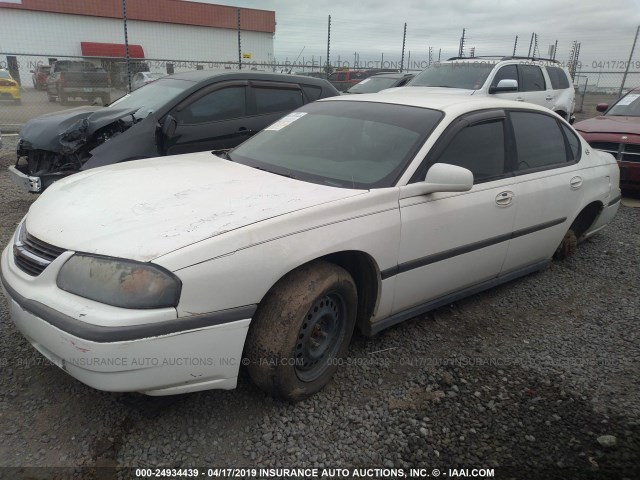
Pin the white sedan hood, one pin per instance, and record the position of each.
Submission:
(146, 208)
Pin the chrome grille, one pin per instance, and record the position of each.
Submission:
(32, 255)
(626, 152)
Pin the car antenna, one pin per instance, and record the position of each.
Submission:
(294, 62)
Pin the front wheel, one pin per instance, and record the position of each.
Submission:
(301, 330)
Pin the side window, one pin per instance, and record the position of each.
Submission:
(479, 148)
(220, 104)
(341, 76)
(558, 78)
(573, 141)
(531, 78)
(269, 100)
(508, 72)
(539, 140)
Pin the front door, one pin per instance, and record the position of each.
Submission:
(451, 241)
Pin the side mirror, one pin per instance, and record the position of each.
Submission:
(169, 126)
(602, 107)
(505, 85)
(441, 177)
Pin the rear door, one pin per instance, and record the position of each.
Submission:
(534, 86)
(270, 101)
(547, 186)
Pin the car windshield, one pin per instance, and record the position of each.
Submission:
(467, 75)
(346, 144)
(627, 106)
(4, 74)
(372, 85)
(153, 96)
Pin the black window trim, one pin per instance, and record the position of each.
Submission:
(553, 166)
(456, 126)
(197, 95)
(206, 91)
(252, 106)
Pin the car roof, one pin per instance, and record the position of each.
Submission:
(449, 103)
(215, 74)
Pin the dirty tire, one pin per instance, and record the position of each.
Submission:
(300, 328)
(567, 247)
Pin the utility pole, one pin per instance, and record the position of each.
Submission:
(430, 55)
(439, 53)
(126, 44)
(404, 39)
(239, 44)
(328, 67)
(530, 45)
(515, 45)
(462, 40)
(633, 47)
(555, 50)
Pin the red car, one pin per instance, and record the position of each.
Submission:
(40, 76)
(617, 131)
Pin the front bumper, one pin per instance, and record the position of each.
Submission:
(133, 353)
(629, 175)
(27, 183)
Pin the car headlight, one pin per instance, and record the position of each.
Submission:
(118, 282)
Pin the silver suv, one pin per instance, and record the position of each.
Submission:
(527, 79)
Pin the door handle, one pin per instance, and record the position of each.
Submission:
(504, 199)
(575, 183)
(519, 99)
(244, 130)
(549, 97)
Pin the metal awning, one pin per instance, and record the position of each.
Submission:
(115, 50)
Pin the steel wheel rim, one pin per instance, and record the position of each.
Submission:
(320, 337)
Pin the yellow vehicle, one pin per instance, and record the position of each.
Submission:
(9, 88)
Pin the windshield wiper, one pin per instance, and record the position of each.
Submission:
(282, 174)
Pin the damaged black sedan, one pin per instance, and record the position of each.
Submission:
(182, 113)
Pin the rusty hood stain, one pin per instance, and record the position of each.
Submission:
(143, 209)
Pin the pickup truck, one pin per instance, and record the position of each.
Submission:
(78, 79)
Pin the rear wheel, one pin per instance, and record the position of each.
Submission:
(301, 329)
(568, 245)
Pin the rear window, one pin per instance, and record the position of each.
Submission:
(558, 78)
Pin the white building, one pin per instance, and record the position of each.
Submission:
(168, 34)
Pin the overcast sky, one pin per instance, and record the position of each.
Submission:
(374, 27)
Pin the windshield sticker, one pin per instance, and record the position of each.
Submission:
(284, 121)
(628, 99)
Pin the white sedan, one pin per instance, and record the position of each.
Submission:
(164, 276)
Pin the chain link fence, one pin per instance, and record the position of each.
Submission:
(181, 38)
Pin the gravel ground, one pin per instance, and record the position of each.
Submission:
(538, 378)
